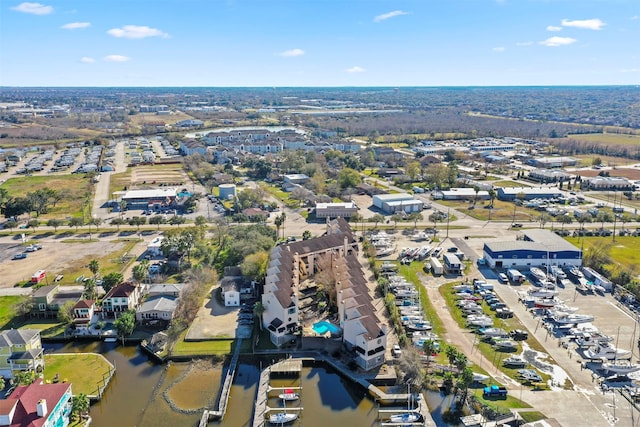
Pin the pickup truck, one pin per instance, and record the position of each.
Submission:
(494, 391)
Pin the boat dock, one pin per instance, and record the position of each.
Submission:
(284, 367)
(223, 398)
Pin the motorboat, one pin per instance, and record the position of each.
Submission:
(599, 288)
(538, 273)
(621, 367)
(405, 417)
(542, 293)
(544, 302)
(420, 235)
(591, 340)
(557, 272)
(419, 326)
(505, 345)
(289, 395)
(514, 362)
(479, 378)
(563, 308)
(575, 272)
(493, 332)
(385, 251)
(481, 321)
(607, 351)
(283, 417)
(572, 318)
(529, 375)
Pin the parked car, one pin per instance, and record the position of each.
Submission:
(20, 255)
(503, 278)
(516, 225)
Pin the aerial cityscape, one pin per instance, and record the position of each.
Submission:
(278, 213)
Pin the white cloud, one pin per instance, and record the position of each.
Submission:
(136, 32)
(116, 58)
(587, 24)
(524, 43)
(292, 52)
(553, 28)
(87, 60)
(558, 41)
(33, 8)
(76, 25)
(635, 17)
(498, 49)
(389, 15)
(355, 69)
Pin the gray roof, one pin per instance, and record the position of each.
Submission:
(551, 241)
(17, 336)
(159, 304)
(515, 245)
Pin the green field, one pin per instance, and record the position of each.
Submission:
(8, 309)
(623, 252)
(609, 138)
(85, 371)
(502, 211)
(76, 191)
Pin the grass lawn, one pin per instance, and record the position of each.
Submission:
(608, 138)
(532, 416)
(7, 308)
(76, 191)
(201, 348)
(509, 403)
(502, 211)
(85, 371)
(49, 328)
(509, 183)
(623, 252)
(487, 349)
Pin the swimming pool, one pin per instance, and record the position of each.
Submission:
(323, 327)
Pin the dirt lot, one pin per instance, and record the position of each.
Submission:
(55, 257)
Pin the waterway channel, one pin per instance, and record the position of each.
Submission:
(142, 392)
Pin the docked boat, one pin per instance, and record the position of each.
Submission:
(405, 417)
(282, 418)
(599, 288)
(385, 251)
(538, 273)
(557, 272)
(289, 395)
(514, 362)
(480, 321)
(572, 318)
(607, 351)
(621, 367)
(544, 302)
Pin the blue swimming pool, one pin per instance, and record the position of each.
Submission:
(323, 327)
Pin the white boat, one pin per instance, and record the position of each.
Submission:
(493, 332)
(419, 326)
(289, 395)
(572, 318)
(542, 293)
(514, 362)
(111, 339)
(575, 272)
(607, 351)
(282, 417)
(592, 340)
(405, 417)
(385, 251)
(621, 367)
(480, 321)
(421, 235)
(557, 272)
(479, 378)
(538, 273)
(544, 302)
(599, 288)
(505, 345)
(563, 308)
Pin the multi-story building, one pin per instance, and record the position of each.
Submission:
(121, 298)
(37, 405)
(20, 351)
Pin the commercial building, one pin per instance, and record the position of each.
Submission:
(335, 210)
(149, 199)
(538, 248)
(391, 203)
(549, 175)
(553, 162)
(464, 193)
(527, 193)
(607, 183)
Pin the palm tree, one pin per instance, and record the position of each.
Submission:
(376, 219)
(395, 218)
(492, 196)
(465, 379)
(258, 310)
(94, 267)
(415, 217)
(476, 189)
(79, 405)
(429, 347)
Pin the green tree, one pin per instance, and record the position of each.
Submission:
(94, 267)
(254, 266)
(76, 222)
(111, 279)
(306, 235)
(465, 379)
(55, 223)
(258, 311)
(201, 221)
(118, 222)
(125, 324)
(177, 220)
(413, 170)
(415, 217)
(376, 219)
(543, 219)
(140, 271)
(65, 312)
(349, 178)
(158, 219)
(24, 377)
(90, 289)
(33, 223)
(395, 218)
(138, 221)
(79, 406)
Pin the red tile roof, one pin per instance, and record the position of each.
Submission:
(26, 414)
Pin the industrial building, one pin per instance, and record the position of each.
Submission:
(538, 248)
(146, 199)
(527, 193)
(391, 203)
(335, 210)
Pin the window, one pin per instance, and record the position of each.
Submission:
(292, 310)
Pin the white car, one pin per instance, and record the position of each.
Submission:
(503, 278)
(396, 351)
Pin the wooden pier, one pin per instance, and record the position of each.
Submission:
(284, 367)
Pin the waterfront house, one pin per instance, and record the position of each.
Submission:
(83, 313)
(47, 300)
(173, 290)
(157, 308)
(20, 350)
(121, 298)
(37, 405)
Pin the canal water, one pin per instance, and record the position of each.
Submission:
(141, 392)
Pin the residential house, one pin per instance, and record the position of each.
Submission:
(121, 298)
(47, 300)
(191, 146)
(157, 308)
(173, 290)
(37, 405)
(20, 350)
(231, 285)
(452, 264)
(83, 313)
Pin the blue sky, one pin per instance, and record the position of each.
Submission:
(319, 42)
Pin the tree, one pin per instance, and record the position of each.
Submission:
(412, 169)
(349, 178)
(476, 189)
(258, 310)
(465, 379)
(94, 267)
(79, 406)
(376, 219)
(111, 279)
(395, 218)
(138, 221)
(55, 223)
(255, 265)
(430, 348)
(76, 222)
(33, 223)
(604, 216)
(24, 377)
(3, 384)
(140, 271)
(201, 221)
(356, 218)
(95, 221)
(90, 289)
(597, 161)
(118, 222)
(415, 217)
(177, 220)
(158, 219)
(306, 235)
(125, 324)
(543, 218)
(564, 219)
(65, 312)
(279, 222)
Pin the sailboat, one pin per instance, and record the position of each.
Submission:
(620, 367)
(282, 417)
(406, 417)
(289, 395)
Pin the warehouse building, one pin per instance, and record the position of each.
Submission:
(391, 203)
(335, 210)
(538, 248)
(527, 193)
(147, 199)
